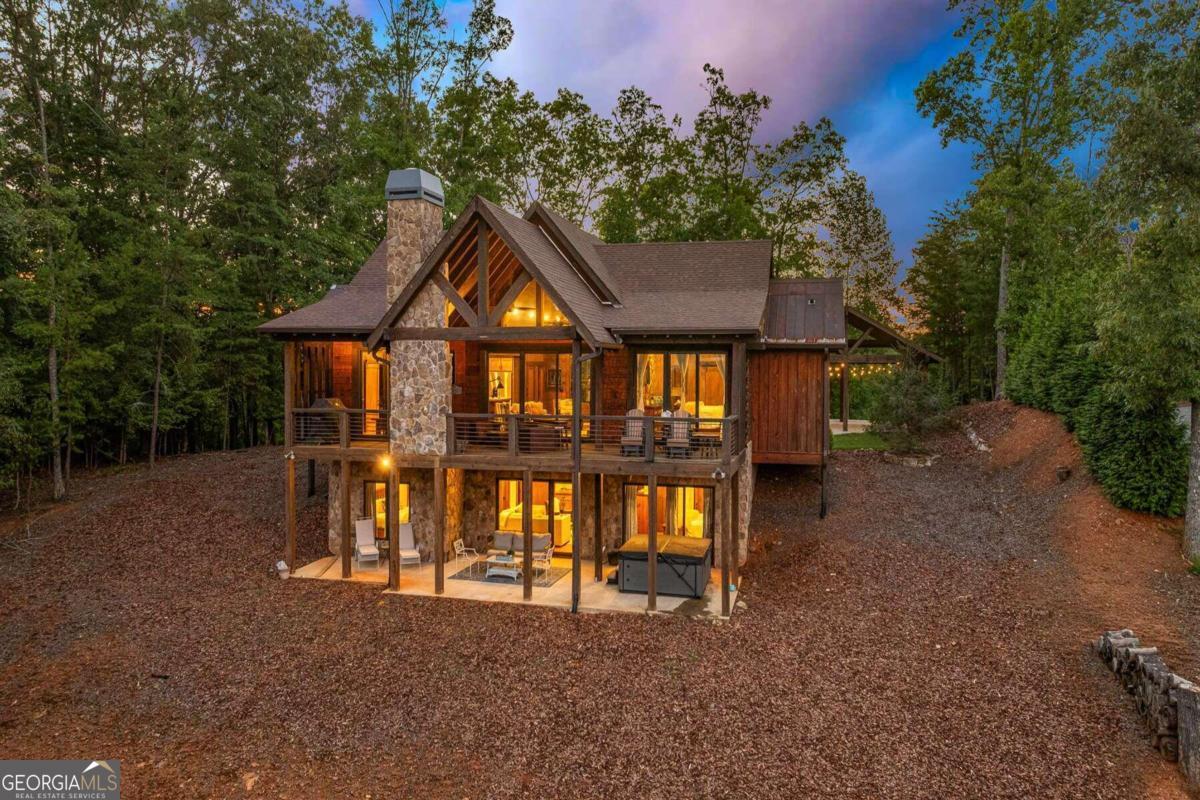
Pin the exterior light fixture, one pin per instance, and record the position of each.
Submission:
(385, 462)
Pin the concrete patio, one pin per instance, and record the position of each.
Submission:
(595, 597)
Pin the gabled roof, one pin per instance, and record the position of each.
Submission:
(678, 287)
(552, 271)
(581, 247)
(607, 291)
(537, 255)
(352, 309)
(879, 334)
(805, 311)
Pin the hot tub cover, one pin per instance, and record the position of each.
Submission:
(670, 548)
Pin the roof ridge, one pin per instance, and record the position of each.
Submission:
(689, 241)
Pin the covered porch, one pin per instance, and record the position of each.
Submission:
(462, 582)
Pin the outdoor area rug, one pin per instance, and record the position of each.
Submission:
(476, 572)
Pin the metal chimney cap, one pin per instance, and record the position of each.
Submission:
(414, 184)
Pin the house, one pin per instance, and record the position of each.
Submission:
(513, 384)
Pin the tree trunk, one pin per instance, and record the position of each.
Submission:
(1191, 526)
(60, 486)
(158, 354)
(1001, 308)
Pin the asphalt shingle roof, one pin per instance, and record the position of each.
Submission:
(662, 287)
(353, 308)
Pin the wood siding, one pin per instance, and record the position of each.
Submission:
(787, 409)
(614, 382)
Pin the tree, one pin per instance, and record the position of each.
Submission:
(859, 247)
(1150, 320)
(1020, 94)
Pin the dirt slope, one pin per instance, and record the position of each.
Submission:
(927, 639)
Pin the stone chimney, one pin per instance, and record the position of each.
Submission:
(414, 223)
(420, 369)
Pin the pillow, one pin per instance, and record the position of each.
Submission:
(502, 541)
(541, 542)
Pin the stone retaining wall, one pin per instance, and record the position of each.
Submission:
(1168, 704)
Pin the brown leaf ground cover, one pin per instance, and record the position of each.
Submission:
(928, 639)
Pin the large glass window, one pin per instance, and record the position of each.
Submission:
(502, 388)
(535, 383)
(374, 377)
(533, 308)
(694, 382)
(375, 505)
(550, 509)
(682, 510)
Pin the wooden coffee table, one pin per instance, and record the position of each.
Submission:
(503, 567)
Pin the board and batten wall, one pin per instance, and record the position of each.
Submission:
(787, 406)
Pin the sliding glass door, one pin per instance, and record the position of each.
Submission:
(691, 382)
(681, 510)
(535, 383)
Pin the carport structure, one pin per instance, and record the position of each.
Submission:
(865, 336)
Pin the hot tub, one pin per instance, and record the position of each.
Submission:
(684, 563)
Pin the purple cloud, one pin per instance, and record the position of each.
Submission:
(809, 57)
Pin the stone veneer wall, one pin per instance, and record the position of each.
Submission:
(420, 498)
(419, 370)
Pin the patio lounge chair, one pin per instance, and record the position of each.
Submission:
(408, 552)
(633, 439)
(364, 541)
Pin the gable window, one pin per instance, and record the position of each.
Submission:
(533, 308)
(694, 382)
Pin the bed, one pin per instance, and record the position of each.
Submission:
(684, 564)
(511, 522)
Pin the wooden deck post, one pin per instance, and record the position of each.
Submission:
(393, 529)
(439, 527)
(289, 391)
(845, 378)
(290, 506)
(576, 463)
(597, 528)
(736, 511)
(527, 534)
(723, 517)
(347, 533)
(652, 546)
(825, 434)
(738, 371)
(289, 439)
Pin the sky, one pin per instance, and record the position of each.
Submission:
(855, 61)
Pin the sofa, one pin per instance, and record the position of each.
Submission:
(503, 541)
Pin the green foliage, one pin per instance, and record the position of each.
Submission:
(859, 441)
(1138, 455)
(910, 405)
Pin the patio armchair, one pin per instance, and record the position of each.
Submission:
(364, 541)
(633, 438)
(679, 435)
(543, 558)
(462, 551)
(408, 552)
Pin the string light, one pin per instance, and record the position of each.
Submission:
(861, 370)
